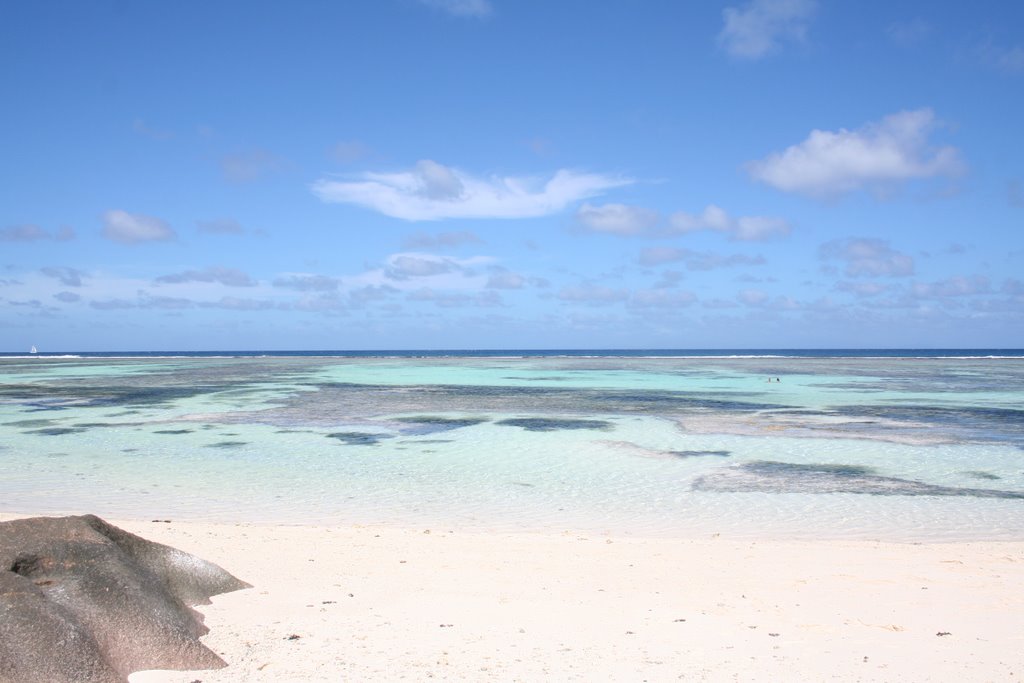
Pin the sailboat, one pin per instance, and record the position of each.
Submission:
(34, 349)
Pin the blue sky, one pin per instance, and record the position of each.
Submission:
(511, 174)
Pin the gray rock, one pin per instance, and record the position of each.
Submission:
(82, 601)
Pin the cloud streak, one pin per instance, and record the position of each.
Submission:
(617, 219)
(636, 221)
(128, 228)
(696, 260)
(442, 240)
(33, 233)
(69, 277)
(244, 167)
(739, 229)
(760, 27)
(867, 257)
(220, 226)
(430, 191)
(229, 277)
(461, 8)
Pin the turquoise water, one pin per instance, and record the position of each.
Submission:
(890, 448)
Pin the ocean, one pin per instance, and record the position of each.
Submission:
(905, 445)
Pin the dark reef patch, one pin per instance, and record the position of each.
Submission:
(977, 423)
(810, 469)
(55, 431)
(25, 424)
(431, 424)
(768, 476)
(979, 474)
(173, 431)
(549, 378)
(91, 425)
(227, 444)
(699, 454)
(352, 398)
(42, 396)
(359, 438)
(551, 424)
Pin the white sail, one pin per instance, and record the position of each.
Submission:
(34, 349)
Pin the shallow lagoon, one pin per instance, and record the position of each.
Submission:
(893, 448)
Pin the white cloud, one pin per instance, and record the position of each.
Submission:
(669, 279)
(328, 304)
(349, 151)
(113, 304)
(146, 301)
(761, 26)
(422, 240)
(455, 299)
(656, 256)
(712, 218)
(617, 219)
(598, 295)
(741, 229)
(221, 226)
(407, 271)
(592, 294)
(403, 266)
(661, 298)
(1013, 287)
(140, 127)
(1007, 59)
(757, 298)
(431, 191)
(234, 303)
(951, 287)
(868, 257)
(632, 221)
(696, 260)
(502, 278)
(370, 293)
(908, 33)
(439, 182)
(862, 289)
(1014, 193)
(827, 163)
(1012, 59)
(758, 228)
(247, 166)
(69, 277)
(133, 228)
(229, 277)
(32, 233)
(305, 282)
(461, 8)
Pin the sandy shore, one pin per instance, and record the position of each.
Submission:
(383, 603)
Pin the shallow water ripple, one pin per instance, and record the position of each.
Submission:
(905, 449)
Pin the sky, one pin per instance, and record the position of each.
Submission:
(511, 174)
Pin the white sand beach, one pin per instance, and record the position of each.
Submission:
(385, 603)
